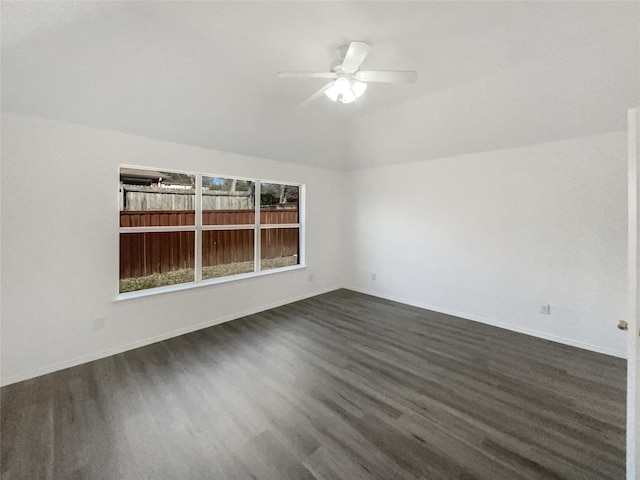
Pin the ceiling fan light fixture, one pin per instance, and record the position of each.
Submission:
(345, 91)
(358, 88)
(348, 97)
(342, 85)
(332, 93)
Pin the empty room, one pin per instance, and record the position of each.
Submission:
(319, 240)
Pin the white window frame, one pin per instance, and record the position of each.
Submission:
(198, 228)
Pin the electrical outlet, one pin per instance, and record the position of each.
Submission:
(545, 309)
(98, 323)
(373, 276)
(310, 277)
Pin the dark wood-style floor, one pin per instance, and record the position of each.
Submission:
(340, 386)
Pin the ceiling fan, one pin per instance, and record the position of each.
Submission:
(348, 81)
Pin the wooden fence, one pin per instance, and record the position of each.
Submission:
(139, 197)
(147, 253)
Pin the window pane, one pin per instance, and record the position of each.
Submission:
(156, 198)
(226, 252)
(228, 201)
(279, 203)
(149, 260)
(278, 247)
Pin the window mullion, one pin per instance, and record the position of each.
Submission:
(302, 221)
(198, 246)
(280, 225)
(256, 235)
(158, 229)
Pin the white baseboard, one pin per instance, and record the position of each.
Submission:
(488, 321)
(158, 338)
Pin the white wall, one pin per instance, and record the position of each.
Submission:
(60, 245)
(486, 236)
(492, 236)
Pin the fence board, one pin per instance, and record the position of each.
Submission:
(279, 242)
(143, 254)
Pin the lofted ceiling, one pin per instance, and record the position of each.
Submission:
(492, 74)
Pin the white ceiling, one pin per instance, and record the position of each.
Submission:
(492, 74)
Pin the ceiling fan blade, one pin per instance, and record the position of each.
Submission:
(316, 95)
(383, 76)
(355, 55)
(307, 74)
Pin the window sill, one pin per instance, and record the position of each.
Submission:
(184, 287)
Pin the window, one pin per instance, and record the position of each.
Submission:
(178, 227)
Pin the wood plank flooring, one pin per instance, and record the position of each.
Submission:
(339, 386)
